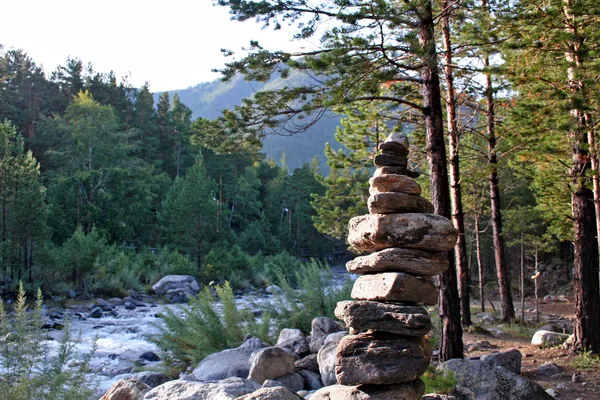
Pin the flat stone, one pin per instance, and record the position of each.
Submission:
(408, 391)
(395, 143)
(390, 160)
(395, 259)
(384, 317)
(381, 358)
(394, 183)
(395, 171)
(395, 287)
(375, 232)
(391, 202)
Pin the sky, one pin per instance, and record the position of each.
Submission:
(172, 44)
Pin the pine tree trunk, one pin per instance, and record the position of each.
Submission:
(479, 262)
(508, 311)
(449, 307)
(522, 279)
(595, 178)
(460, 250)
(537, 287)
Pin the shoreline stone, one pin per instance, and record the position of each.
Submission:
(411, 261)
(395, 287)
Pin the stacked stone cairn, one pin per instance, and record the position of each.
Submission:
(386, 351)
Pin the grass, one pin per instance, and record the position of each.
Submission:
(439, 383)
(586, 361)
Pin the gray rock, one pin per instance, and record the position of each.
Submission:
(270, 363)
(130, 306)
(390, 160)
(126, 389)
(321, 327)
(547, 370)
(479, 345)
(394, 183)
(96, 313)
(228, 363)
(326, 358)
(396, 143)
(384, 317)
(482, 380)
(544, 338)
(380, 358)
(312, 380)
(408, 391)
(271, 393)
(225, 389)
(395, 286)
(104, 305)
(151, 378)
(395, 171)
(183, 282)
(375, 232)
(115, 301)
(294, 341)
(308, 363)
(293, 381)
(272, 289)
(149, 356)
(411, 261)
(435, 396)
(511, 360)
(392, 202)
(179, 295)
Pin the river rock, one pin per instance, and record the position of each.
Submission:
(511, 360)
(294, 341)
(391, 202)
(292, 381)
(394, 183)
(270, 363)
(482, 380)
(180, 282)
(375, 232)
(381, 358)
(390, 160)
(225, 389)
(395, 143)
(547, 370)
(395, 259)
(395, 287)
(326, 358)
(384, 317)
(96, 313)
(126, 389)
(270, 393)
(228, 363)
(544, 338)
(320, 328)
(312, 380)
(309, 363)
(150, 356)
(395, 171)
(151, 378)
(408, 391)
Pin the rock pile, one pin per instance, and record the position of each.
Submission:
(387, 321)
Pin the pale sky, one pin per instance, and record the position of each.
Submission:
(173, 44)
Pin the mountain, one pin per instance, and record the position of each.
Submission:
(208, 99)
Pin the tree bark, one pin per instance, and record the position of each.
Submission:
(508, 311)
(522, 279)
(460, 250)
(479, 262)
(537, 287)
(449, 307)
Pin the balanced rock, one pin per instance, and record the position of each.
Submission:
(384, 317)
(392, 202)
(408, 391)
(381, 358)
(395, 171)
(394, 183)
(390, 160)
(418, 231)
(395, 287)
(411, 261)
(395, 143)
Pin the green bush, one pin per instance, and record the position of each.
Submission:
(439, 383)
(191, 334)
(27, 372)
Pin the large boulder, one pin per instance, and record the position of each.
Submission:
(395, 286)
(321, 327)
(293, 381)
(326, 358)
(126, 389)
(225, 389)
(544, 338)
(380, 358)
(375, 232)
(309, 363)
(482, 380)
(395, 259)
(293, 340)
(183, 283)
(408, 391)
(270, 363)
(228, 363)
(384, 317)
(511, 360)
(271, 393)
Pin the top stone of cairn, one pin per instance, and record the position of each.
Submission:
(396, 143)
